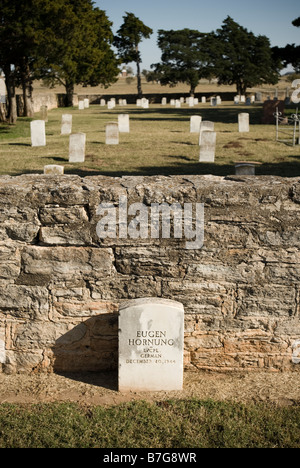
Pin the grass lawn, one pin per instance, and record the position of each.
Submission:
(167, 424)
(159, 143)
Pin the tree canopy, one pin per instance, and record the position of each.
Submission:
(64, 41)
(184, 58)
(242, 58)
(128, 40)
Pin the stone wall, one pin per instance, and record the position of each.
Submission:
(61, 285)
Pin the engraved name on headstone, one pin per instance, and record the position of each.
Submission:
(151, 334)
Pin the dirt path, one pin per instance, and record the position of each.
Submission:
(101, 389)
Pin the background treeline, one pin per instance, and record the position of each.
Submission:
(71, 42)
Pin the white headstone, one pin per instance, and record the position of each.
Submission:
(53, 170)
(245, 168)
(112, 133)
(66, 124)
(102, 102)
(191, 101)
(195, 123)
(177, 104)
(81, 105)
(151, 334)
(38, 133)
(111, 105)
(243, 99)
(164, 101)
(236, 100)
(123, 121)
(206, 126)
(86, 103)
(203, 100)
(77, 147)
(208, 147)
(243, 123)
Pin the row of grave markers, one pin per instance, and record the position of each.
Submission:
(77, 144)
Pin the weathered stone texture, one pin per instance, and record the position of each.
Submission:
(61, 286)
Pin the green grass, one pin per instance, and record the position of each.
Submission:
(159, 143)
(167, 424)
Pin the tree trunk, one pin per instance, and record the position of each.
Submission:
(11, 95)
(70, 94)
(2, 112)
(27, 89)
(139, 80)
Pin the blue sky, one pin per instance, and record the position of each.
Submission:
(271, 18)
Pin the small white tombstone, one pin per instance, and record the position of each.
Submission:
(191, 101)
(102, 102)
(213, 101)
(124, 102)
(66, 124)
(77, 147)
(151, 334)
(177, 104)
(81, 105)
(208, 147)
(86, 103)
(38, 133)
(139, 102)
(203, 100)
(112, 133)
(243, 99)
(53, 169)
(236, 100)
(195, 123)
(196, 102)
(245, 168)
(123, 121)
(219, 100)
(145, 103)
(206, 126)
(164, 101)
(244, 123)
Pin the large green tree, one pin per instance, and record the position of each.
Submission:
(76, 46)
(128, 40)
(185, 57)
(242, 58)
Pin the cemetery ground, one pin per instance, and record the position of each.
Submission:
(214, 410)
(159, 143)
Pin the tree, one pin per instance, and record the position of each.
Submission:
(185, 57)
(242, 58)
(296, 22)
(128, 40)
(75, 46)
(290, 54)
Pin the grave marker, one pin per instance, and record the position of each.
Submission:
(77, 147)
(151, 334)
(53, 170)
(208, 147)
(123, 121)
(195, 123)
(81, 105)
(244, 123)
(44, 113)
(38, 133)
(112, 133)
(66, 124)
(206, 126)
(86, 103)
